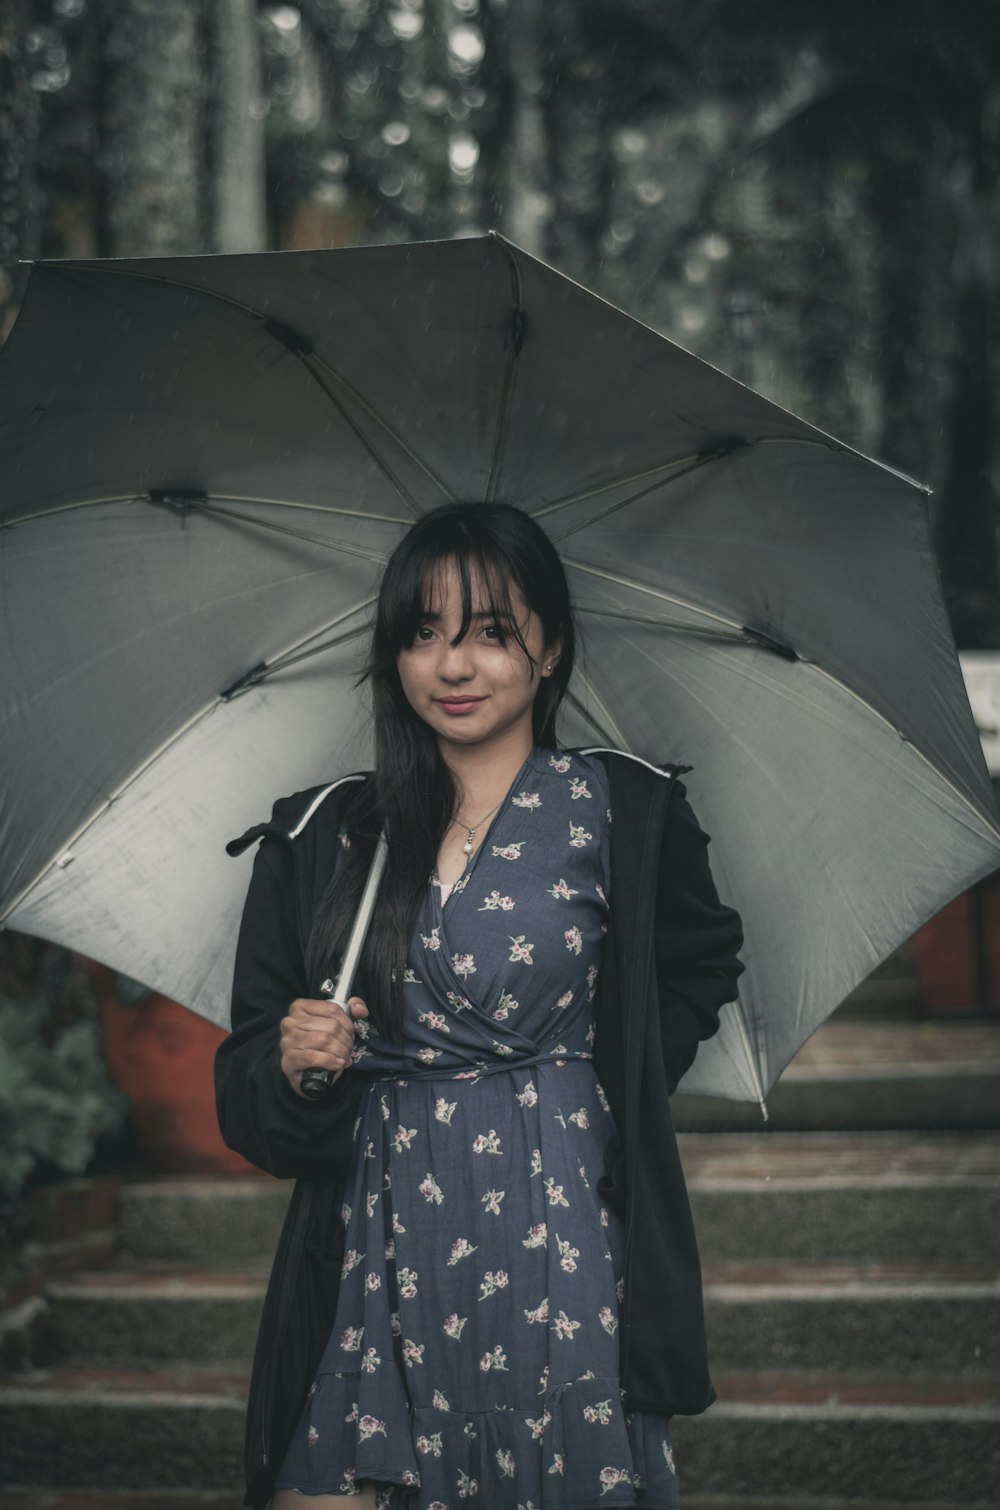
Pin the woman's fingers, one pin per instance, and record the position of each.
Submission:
(315, 1033)
(307, 1007)
(318, 1034)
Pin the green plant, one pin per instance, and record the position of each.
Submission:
(56, 1101)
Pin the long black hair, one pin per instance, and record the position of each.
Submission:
(495, 548)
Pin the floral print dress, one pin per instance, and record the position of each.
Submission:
(474, 1357)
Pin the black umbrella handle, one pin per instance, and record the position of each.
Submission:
(316, 1082)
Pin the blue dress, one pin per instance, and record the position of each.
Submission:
(474, 1357)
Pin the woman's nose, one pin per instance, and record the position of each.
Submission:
(455, 662)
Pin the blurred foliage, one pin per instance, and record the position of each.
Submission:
(805, 194)
(57, 1104)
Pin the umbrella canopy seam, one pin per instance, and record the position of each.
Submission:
(515, 342)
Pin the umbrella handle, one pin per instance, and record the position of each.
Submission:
(316, 1082)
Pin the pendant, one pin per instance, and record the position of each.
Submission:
(467, 846)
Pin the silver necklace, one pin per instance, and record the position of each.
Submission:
(471, 828)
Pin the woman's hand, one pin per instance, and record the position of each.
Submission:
(317, 1034)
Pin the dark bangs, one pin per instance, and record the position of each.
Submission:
(495, 548)
(486, 589)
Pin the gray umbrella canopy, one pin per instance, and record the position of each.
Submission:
(205, 461)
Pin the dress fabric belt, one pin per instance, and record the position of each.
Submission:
(487, 1067)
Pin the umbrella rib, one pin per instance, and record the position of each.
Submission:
(292, 655)
(653, 592)
(616, 482)
(312, 508)
(575, 702)
(992, 828)
(725, 635)
(510, 376)
(283, 529)
(292, 343)
(755, 1079)
(829, 444)
(612, 508)
(609, 729)
(685, 464)
(284, 503)
(196, 718)
(66, 508)
(695, 458)
(286, 661)
(64, 854)
(381, 421)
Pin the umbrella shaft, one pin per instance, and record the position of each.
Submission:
(316, 1082)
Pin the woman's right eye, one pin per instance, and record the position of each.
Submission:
(424, 633)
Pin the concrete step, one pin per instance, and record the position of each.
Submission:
(150, 1315)
(783, 1434)
(893, 990)
(80, 1427)
(213, 1221)
(931, 1320)
(935, 1318)
(872, 1073)
(854, 1438)
(877, 1197)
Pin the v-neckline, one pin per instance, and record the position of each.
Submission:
(462, 881)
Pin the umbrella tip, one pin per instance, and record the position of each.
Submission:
(763, 1110)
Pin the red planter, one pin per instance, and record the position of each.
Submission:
(160, 1055)
(957, 953)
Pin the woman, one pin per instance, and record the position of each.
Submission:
(487, 1290)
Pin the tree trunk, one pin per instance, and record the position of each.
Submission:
(237, 130)
(967, 523)
(898, 206)
(151, 160)
(527, 205)
(18, 140)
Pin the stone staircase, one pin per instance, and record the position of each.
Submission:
(852, 1285)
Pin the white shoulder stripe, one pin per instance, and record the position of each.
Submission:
(314, 804)
(607, 750)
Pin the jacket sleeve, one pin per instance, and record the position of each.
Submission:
(697, 941)
(259, 1114)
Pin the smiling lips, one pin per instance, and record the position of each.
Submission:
(457, 706)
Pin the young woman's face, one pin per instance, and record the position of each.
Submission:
(481, 688)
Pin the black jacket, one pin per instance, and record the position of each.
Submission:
(670, 965)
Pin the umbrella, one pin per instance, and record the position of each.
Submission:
(205, 462)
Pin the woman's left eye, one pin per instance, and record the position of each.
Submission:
(493, 632)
